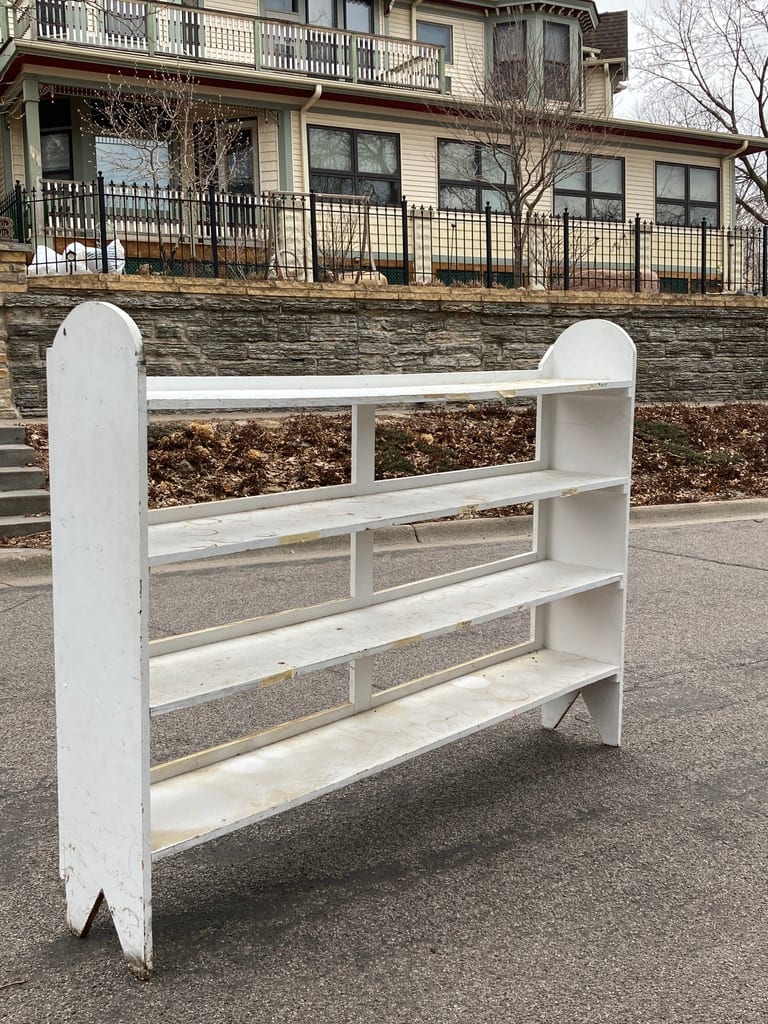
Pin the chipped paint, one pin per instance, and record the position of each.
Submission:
(406, 641)
(508, 392)
(277, 677)
(569, 492)
(300, 538)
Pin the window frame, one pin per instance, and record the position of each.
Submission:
(687, 202)
(478, 184)
(355, 173)
(429, 42)
(559, 67)
(588, 192)
(533, 57)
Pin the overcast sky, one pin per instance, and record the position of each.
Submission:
(634, 7)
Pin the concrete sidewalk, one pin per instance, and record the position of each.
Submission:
(517, 876)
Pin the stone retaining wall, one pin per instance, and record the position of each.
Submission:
(696, 349)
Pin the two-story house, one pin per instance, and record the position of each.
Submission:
(358, 97)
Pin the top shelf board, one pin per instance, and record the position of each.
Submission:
(166, 393)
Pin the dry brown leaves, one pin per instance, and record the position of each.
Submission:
(681, 454)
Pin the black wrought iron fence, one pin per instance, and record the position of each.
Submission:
(96, 226)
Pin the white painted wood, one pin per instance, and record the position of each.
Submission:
(216, 670)
(573, 580)
(98, 521)
(201, 805)
(592, 435)
(244, 531)
(228, 506)
(265, 393)
(361, 545)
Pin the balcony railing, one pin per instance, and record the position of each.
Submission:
(200, 34)
(343, 239)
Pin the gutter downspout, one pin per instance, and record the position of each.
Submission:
(733, 157)
(414, 5)
(303, 135)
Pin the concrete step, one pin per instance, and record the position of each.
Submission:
(21, 478)
(16, 455)
(11, 433)
(24, 502)
(23, 526)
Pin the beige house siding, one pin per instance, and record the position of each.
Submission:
(17, 150)
(598, 97)
(268, 160)
(419, 169)
(640, 178)
(400, 21)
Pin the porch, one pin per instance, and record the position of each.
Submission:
(164, 30)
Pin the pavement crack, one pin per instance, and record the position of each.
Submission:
(19, 604)
(700, 558)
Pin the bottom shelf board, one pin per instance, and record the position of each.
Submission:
(200, 805)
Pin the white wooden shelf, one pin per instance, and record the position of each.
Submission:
(207, 536)
(206, 672)
(172, 393)
(116, 814)
(203, 804)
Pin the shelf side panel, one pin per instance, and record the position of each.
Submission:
(100, 588)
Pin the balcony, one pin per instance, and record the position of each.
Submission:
(215, 37)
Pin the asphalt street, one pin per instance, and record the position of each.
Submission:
(516, 876)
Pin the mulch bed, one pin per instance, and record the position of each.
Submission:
(682, 453)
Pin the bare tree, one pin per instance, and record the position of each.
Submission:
(707, 61)
(162, 133)
(528, 122)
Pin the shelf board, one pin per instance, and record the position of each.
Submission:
(165, 393)
(269, 527)
(209, 671)
(209, 802)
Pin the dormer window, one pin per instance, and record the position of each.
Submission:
(537, 59)
(557, 61)
(510, 52)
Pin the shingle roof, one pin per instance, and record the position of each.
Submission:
(611, 37)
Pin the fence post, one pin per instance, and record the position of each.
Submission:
(313, 237)
(102, 223)
(703, 286)
(214, 229)
(566, 253)
(638, 277)
(19, 210)
(764, 274)
(488, 248)
(404, 225)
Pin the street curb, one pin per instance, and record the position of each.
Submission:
(33, 565)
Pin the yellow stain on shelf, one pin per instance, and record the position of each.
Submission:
(277, 677)
(300, 538)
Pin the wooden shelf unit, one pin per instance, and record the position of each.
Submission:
(118, 814)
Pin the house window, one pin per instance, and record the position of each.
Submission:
(239, 164)
(134, 161)
(509, 50)
(56, 139)
(353, 163)
(686, 195)
(467, 174)
(357, 14)
(282, 6)
(590, 186)
(557, 61)
(436, 35)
